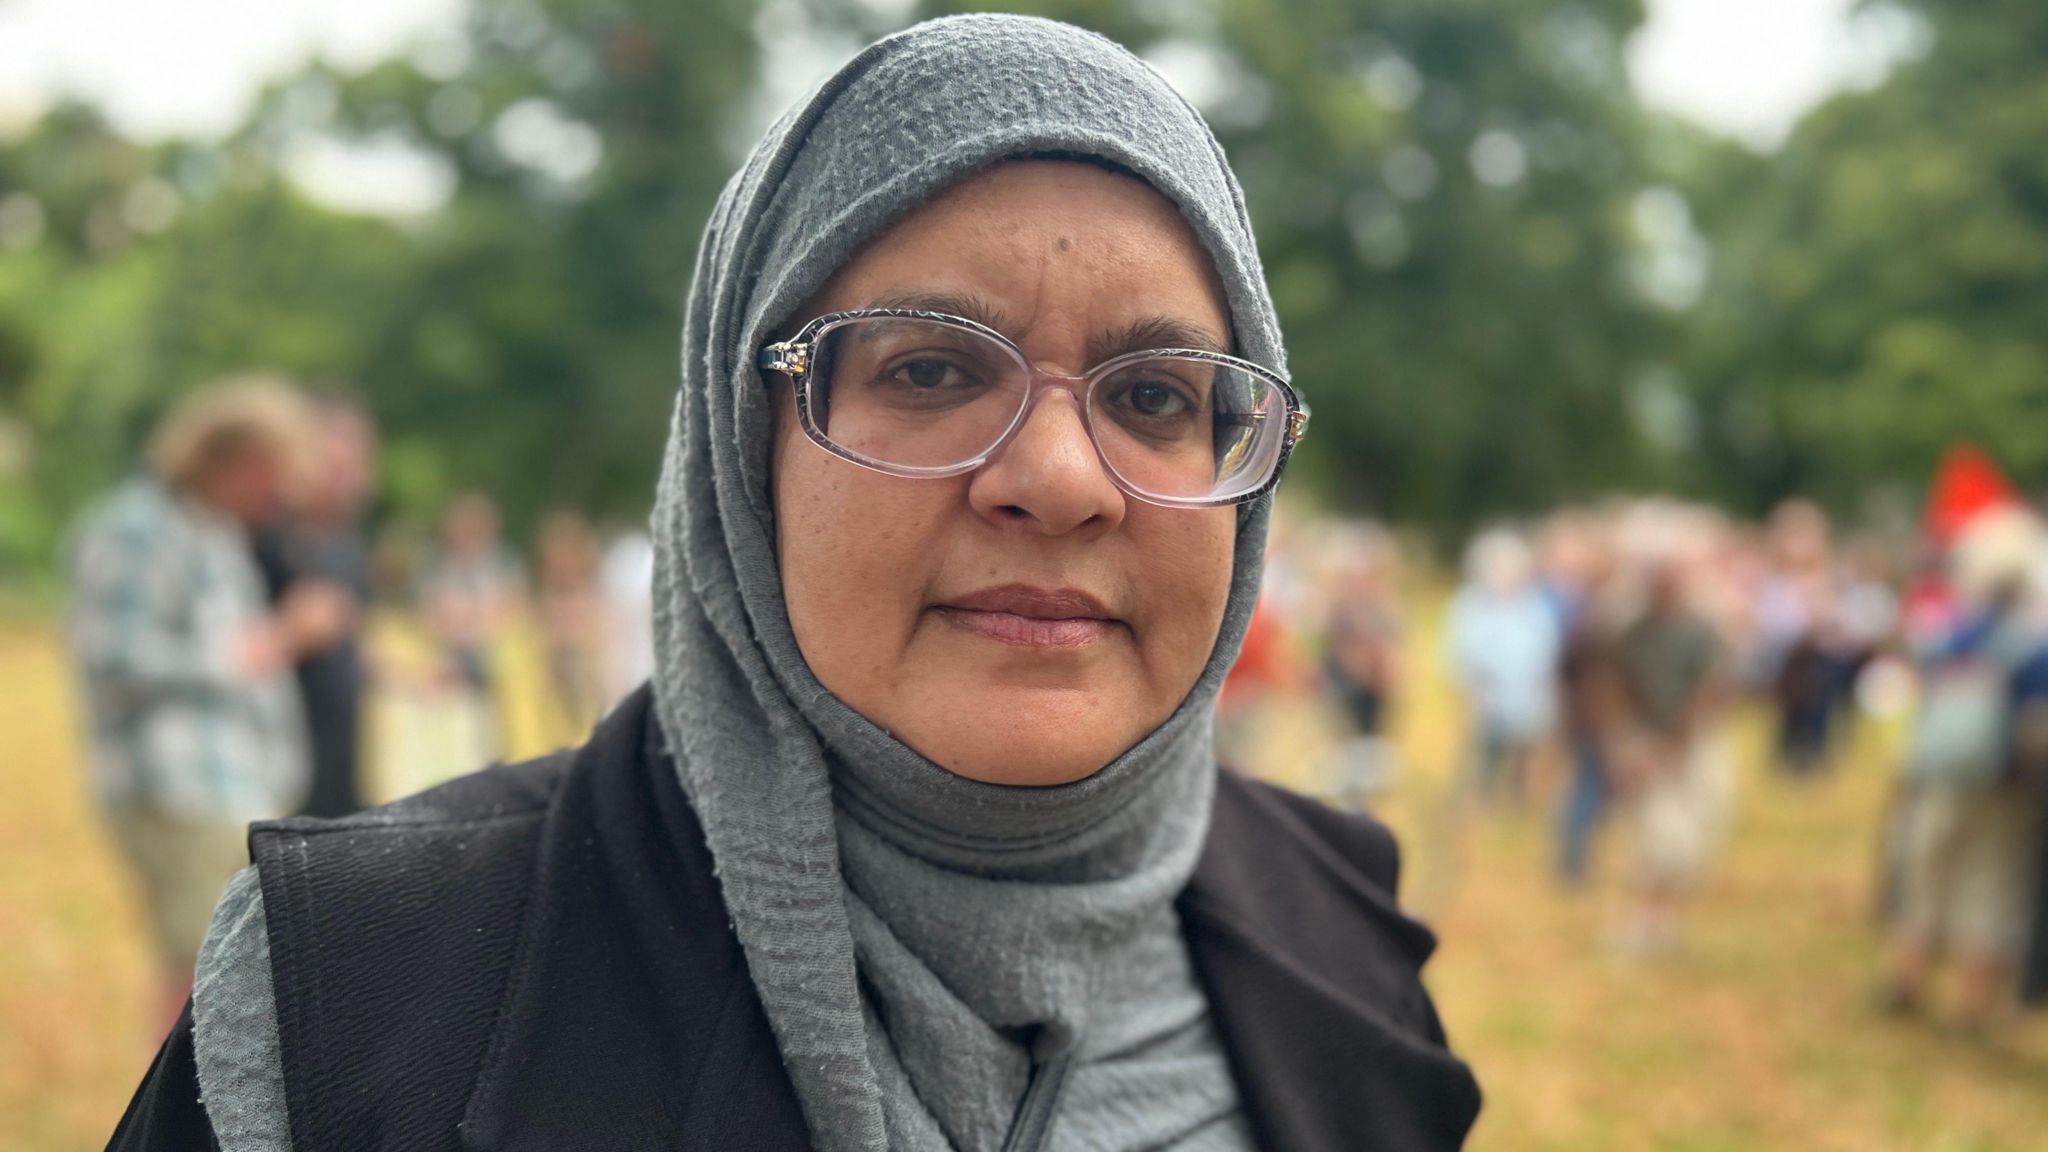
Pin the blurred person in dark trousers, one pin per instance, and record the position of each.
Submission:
(1815, 690)
(1798, 659)
(1805, 693)
(1590, 687)
(194, 727)
(320, 549)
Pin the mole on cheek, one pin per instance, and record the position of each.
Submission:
(1066, 244)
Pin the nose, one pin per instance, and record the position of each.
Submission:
(1049, 476)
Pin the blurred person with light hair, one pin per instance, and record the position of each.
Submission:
(1966, 825)
(194, 727)
(1504, 643)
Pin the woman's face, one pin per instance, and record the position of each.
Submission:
(1027, 622)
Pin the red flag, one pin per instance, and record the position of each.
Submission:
(1966, 485)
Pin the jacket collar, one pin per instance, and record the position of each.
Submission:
(629, 991)
(1312, 974)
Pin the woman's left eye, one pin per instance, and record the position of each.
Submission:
(1155, 399)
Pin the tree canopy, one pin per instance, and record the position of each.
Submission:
(1458, 203)
(1881, 283)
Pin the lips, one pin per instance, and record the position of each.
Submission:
(1030, 617)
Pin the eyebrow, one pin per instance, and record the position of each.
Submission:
(979, 309)
(1154, 332)
(1136, 336)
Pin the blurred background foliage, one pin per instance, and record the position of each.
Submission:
(1504, 284)
(1881, 285)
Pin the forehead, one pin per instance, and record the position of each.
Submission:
(1048, 244)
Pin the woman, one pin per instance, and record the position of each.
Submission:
(917, 841)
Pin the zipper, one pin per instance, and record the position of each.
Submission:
(1052, 1059)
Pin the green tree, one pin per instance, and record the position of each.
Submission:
(521, 339)
(1441, 190)
(1880, 284)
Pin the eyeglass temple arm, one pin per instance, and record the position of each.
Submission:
(1297, 420)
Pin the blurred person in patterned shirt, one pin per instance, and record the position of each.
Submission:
(195, 727)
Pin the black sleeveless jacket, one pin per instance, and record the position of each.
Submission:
(537, 956)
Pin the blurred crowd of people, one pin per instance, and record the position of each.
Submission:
(223, 599)
(1600, 653)
(222, 616)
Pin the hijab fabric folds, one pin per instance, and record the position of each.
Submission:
(996, 928)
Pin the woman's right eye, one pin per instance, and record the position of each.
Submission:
(928, 373)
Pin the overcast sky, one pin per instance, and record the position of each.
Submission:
(1747, 67)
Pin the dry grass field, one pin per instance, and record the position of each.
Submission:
(74, 968)
(1758, 1036)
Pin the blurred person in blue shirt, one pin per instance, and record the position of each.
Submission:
(1504, 643)
(1968, 829)
(194, 723)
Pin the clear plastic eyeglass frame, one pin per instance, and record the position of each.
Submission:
(797, 359)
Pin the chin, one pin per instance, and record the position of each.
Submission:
(1031, 772)
(1031, 738)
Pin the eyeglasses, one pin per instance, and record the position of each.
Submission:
(924, 394)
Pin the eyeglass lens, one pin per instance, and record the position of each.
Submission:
(925, 394)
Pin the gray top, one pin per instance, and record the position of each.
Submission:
(234, 1026)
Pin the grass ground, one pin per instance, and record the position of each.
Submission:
(1759, 1036)
(74, 970)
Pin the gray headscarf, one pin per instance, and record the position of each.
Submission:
(921, 941)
